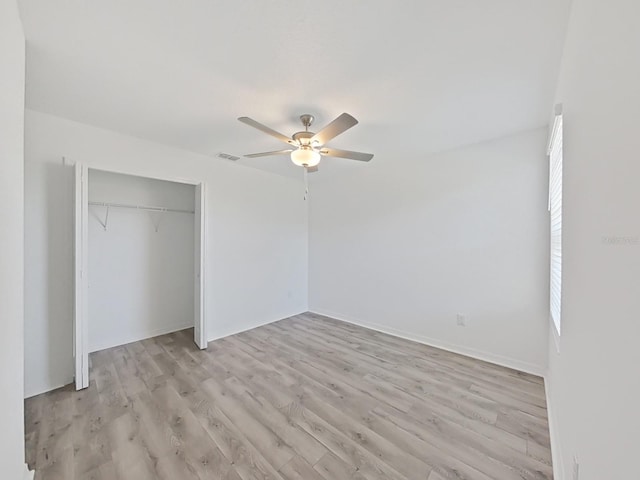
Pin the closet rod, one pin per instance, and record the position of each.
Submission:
(139, 207)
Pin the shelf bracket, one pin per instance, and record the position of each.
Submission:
(156, 218)
(106, 218)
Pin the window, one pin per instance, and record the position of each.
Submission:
(555, 215)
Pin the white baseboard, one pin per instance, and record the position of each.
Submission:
(39, 390)
(28, 474)
(102, 346)
(260, 324)
(558, 467)
(138, 336)
(155, 333)
(432, 342)
(554, 434)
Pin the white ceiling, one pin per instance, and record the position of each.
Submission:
(420, 76)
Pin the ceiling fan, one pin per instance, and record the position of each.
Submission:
(309, 146)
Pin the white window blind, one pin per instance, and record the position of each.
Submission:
(555, 214)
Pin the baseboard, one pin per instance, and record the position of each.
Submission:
(554, 434)
(28, 474)
(103, 346)
(156, 333)
(432, 342)
(48, 388)
(140, 336)
(246, 329)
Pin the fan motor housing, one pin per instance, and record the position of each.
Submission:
(303, 138)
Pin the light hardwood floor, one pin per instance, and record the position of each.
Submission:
(306, 398)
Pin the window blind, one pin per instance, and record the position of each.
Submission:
(555, 215)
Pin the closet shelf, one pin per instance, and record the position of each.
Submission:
(144, 208)
(139, 207)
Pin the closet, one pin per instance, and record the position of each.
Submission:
(139, 249)
(141, 240)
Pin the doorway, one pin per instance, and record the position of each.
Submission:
(139, 260)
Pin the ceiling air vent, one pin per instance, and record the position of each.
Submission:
(226, 156)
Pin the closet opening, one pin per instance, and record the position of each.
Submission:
(139, 258)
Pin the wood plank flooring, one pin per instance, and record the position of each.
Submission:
(306, 398)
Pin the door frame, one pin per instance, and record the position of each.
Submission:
(80, 278)
(81, 249)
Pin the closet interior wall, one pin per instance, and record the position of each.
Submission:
(141, 261)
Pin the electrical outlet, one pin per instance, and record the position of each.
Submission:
(461, 320)
(576, 469)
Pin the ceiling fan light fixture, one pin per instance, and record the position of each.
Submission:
(305, 156)
(310, 146)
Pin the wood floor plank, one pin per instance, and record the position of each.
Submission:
(91, 452)
(452, 441)
(376, 442)
(299, 469)
(331, 467)
(60, 467)
(351, 454)
(446, 359)
(305, 445)
(196, 449)
(248, 462)
(105, 471)
(482, 407)
(307, 397)
(270, 445)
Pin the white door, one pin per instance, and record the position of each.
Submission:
(200, 336)
(80, 331)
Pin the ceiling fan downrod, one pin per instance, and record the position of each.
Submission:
(307, 120)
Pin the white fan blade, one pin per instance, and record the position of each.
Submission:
(341, 124)
(266, 154)
(335, 152)
(269, 131)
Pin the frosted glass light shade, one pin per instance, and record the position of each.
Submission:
(305, 156)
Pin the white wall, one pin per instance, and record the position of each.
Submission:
(594, 381)
(405, 246)
(12, 59)
(141, 281)
(256, 225)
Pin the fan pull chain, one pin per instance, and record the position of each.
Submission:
(306, 183)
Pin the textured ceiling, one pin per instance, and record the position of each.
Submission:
(420, 76)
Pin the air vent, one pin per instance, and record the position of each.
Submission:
(226, 156)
